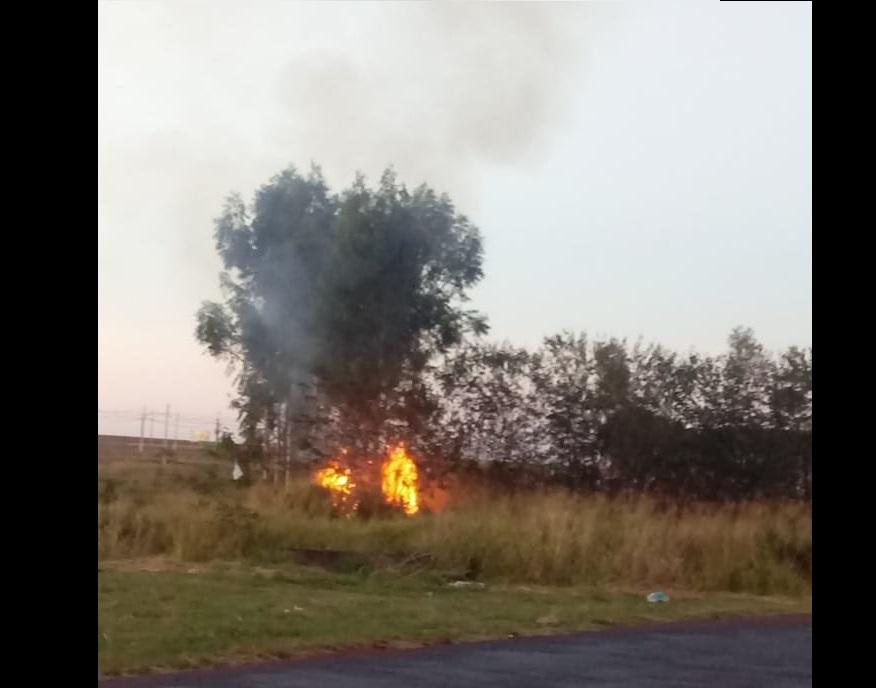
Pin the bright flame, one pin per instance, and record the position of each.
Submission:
(399, 481)
(336, 480)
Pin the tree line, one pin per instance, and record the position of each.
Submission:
(605, 415)
(344, 319)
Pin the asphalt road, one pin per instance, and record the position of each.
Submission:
(774, 652)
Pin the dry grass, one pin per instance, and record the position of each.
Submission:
(549, 537)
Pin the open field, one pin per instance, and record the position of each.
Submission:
(123, 448)
(193, 513)
(156, 615)
(196, 569)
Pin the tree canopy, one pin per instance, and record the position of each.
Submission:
(344, 316)
(337, 299)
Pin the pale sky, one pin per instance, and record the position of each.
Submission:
(637, 169)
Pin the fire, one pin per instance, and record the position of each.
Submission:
(399, 481)
(336, 480)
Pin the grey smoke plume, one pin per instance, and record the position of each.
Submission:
(438, 90)
(200, 99)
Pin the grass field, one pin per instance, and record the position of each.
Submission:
(196, 569)
(119, 448)
(167, 617)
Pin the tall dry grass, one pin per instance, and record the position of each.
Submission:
(547, 537)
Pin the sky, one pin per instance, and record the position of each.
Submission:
(637, 169)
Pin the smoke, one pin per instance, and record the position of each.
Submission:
(438, 90)
(198, 100)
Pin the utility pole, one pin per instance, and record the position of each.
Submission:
(166, 426)
(287, 448)
(142, 429)
(217, 428)
(176, 434)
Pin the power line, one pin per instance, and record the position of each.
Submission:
(193, 424)
(192, 418)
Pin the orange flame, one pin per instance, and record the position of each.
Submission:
(399, 482)
(336, 480)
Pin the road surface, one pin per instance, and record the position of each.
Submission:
(774, 652)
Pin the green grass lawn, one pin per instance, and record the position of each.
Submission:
(225, 613)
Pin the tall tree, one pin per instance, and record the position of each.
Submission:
(334, 303)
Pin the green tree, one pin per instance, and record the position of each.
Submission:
(335, 303)
(566, 379)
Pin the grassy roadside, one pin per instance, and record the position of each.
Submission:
(547, 537)
(153, 615)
